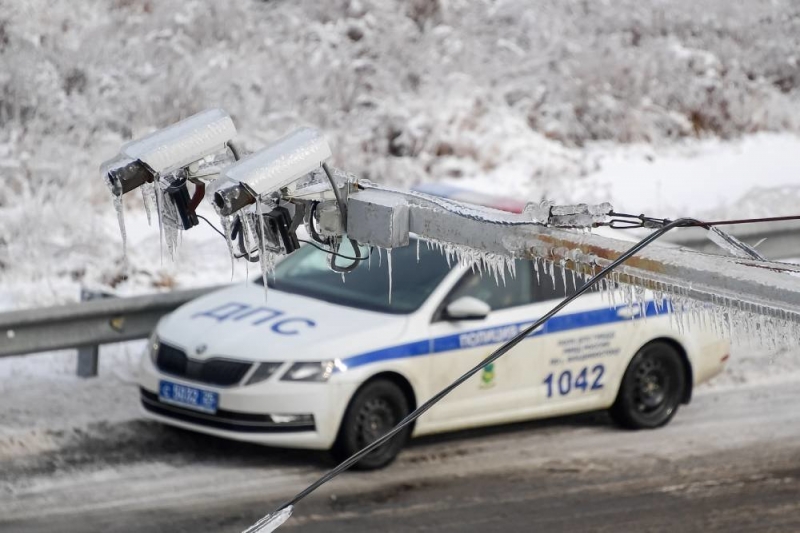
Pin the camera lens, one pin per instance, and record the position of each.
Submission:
(127, 176)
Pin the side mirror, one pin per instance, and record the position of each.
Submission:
(467, 308)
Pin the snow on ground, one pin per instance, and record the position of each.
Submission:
(697, 179)
(758, 175)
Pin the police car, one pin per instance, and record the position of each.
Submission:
(333, 363)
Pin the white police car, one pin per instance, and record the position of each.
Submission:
(331, 364)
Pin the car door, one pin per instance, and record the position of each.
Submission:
(460, 344)
(583, 351)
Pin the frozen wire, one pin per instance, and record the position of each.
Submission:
(499, 352)
(628, 221)
(237, 153)
(337, 254)
(204, 219)
(339, 201)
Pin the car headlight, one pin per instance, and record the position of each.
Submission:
(153, 344)
(263, 372)
(318, 371)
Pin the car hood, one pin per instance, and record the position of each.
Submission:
(239, 323)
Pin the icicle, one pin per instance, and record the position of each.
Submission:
(226, 230)
(149, 200)
(389, 265)
(417, 250)
(369, 258)
(271, 522)
(159, 206)
(612, 294)
(261, 234)
(122, 232)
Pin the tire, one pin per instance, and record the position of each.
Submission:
(652, 388)
(374, 410)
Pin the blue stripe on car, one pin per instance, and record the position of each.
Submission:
(496, 335)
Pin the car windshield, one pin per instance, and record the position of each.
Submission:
(306, 272)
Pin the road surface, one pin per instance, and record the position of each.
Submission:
(730, 461)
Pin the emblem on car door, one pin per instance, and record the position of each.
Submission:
(487, 378)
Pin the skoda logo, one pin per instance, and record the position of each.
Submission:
(201, 348)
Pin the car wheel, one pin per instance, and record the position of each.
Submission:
(651, 389)
(374, 410)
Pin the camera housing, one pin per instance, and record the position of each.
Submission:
(168, 150)
(270, 169)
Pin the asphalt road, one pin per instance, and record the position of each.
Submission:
(728, 462)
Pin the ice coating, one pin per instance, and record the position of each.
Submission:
(184, 142)
(493, 264)
(733, 245)
(271, 522)
(579, 215)
(227, 229)
(250, 233)
(737, 295)
(539, 212)
(389, 265)
(267, 258)
(149, 200)
(580, 220)
(169, 222)
(684, 295)
(472, 212)
(121, 220)
(263, 261)
(280, 163)
(582, 209)
(725, 316)
(571, 216)
(742, 323)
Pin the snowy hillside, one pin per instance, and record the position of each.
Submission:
(507, 93)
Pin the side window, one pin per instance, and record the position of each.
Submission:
(555, 287)
(516, 290)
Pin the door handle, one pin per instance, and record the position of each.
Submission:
(629, 312)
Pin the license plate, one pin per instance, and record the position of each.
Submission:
(189, 397)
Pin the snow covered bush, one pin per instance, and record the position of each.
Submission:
(406, 91)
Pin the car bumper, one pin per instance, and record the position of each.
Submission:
(711, 360)
(246, 413)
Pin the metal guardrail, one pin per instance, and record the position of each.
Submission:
(88, 324)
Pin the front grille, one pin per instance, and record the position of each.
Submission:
(221, 372)
(222, 419)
